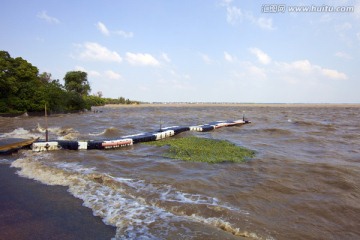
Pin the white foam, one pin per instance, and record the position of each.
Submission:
(120, 202)
(5, 161)
(75, 167)
(98, 134)
(106, 131)
(40, 129)
(19, 133)
(131, 216)
(169, 194)
(228, 227)
(60, 133)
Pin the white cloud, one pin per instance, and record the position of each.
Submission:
(43, 15)
(235, 14)
(90, 73)
(333, 74)
(261, 56)
(226, 2)
(95, 52)
(80, 68)
(141, 59)
(228, 57)
(256, 72)
(102, 28)
(265, 23)
(206, 58)
(249, 74)
(165, 57)
(357, 10)
(171, 79)
(109, 74)
(93, 73)
(124, 34)
(303, 70)
(326, 18)
(343, 55)
(112, 75)
(302, 65)
(300, 74)
(343, 27)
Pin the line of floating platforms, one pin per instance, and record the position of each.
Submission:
(166, 132)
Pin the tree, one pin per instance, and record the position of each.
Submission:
(7, 81)
(76, 81)
(78, 89)
(99, 94)
(22, 89)
(45, 77)
(19, 84)
(121, 100)
(55, 96)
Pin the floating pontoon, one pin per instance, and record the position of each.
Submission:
(130, 139)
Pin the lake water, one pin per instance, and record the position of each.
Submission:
(303, 183)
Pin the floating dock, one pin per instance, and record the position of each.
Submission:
(128, 140)
(9, 146)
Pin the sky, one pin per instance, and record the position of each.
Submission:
(194, 51)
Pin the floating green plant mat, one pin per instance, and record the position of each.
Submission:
(203, 150)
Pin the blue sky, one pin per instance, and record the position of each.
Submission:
(198, 50)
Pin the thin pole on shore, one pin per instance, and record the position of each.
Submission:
(46, 126)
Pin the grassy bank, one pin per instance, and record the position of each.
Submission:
(203, 150)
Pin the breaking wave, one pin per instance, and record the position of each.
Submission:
(20, 133)
(108, 133)
(135, 207)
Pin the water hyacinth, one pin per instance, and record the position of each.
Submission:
(203, 150)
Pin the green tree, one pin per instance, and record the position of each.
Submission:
(76, 81)
(22, 89)
(19, 84)
(55, 96)
(121, 100)
(94, 101)
(7, 81)
(45, 77)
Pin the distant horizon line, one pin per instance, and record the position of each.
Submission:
(196, 102)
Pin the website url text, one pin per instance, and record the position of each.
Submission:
(282, 8)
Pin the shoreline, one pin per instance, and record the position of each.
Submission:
(181, 104)
(32, 210)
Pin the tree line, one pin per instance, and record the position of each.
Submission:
(24, 89)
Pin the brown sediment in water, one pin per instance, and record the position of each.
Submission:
(301, 184)
(31, 210)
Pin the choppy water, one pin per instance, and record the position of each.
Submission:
(304, 182)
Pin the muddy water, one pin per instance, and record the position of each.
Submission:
(302, 184)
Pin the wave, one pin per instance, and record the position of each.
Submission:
(277, 131)
(323, 124)
(271, 131)
(39, 132)
(108, 133)
(5, 161)
(20, 133)
(136, 208)
(61, 133)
